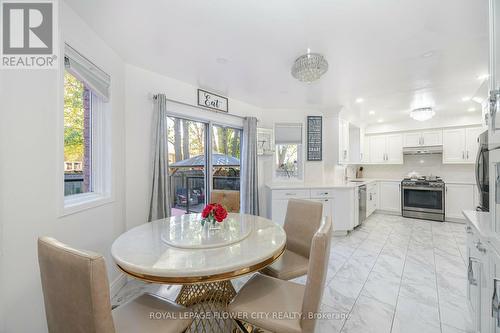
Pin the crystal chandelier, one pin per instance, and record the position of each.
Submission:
(309, 67)
(422, 114)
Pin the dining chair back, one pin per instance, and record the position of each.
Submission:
(303, 219)
(75, 288)
(316, 276)
(228, 198)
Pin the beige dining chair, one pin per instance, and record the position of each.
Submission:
(76, 294)
(303, 218)
(228, 198)
(297, 303)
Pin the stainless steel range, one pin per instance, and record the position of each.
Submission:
(423, 198)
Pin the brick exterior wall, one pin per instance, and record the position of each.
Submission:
(87, 141)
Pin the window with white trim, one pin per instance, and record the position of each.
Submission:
(289, 155)
(87, 158)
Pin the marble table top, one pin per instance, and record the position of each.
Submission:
(179, 250)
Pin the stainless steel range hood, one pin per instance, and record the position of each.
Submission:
(423, 150)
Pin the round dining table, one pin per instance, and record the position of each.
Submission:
(201, 258)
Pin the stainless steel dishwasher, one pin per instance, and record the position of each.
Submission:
(362, 204)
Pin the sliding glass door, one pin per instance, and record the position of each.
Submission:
(196, 171)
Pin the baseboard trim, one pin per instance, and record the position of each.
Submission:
(117, 284)
(454, 220)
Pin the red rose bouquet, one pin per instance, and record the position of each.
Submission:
(213, 212)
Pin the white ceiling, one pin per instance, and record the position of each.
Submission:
(395, 54)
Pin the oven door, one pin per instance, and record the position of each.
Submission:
(423, 199)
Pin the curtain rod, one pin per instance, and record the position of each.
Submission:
(154, 96)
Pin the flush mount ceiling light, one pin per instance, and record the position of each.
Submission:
(309, 67)
(422, 114)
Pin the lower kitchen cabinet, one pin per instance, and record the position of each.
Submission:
(478, 275)
(339, 203)
(458, 197)
(389, 196)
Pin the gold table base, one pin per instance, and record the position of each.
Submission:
(209, 301)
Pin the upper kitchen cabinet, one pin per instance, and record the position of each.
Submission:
(343, 141)
(425, 138)
(460, 145)
(386, 149)
(494, 75)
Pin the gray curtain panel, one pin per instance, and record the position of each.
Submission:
(249, 181)
(159, 207)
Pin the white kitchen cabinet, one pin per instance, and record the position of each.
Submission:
(478, 275)
(460, 145)
(458, 197)
(424, 138)
(389, 196)
(377, 149)
(491, 294)
(340, 203)
(412, 139)
(432, 138)
(471, 143)
(394, 149)
(386, 149)
(343, 141)
(454, 145)
(365, 157)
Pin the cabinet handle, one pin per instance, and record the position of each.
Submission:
(470, 274)
(495, 303)
(290, 193)
(468, 229)
(467, 154)
(480, 247)
(423, 141)
(463, 155)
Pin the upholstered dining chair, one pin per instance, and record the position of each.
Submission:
(76, 294)
(303, 218)
(228, 198)
(268, 295)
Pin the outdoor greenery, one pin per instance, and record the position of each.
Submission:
(73, 118)
(188, 139)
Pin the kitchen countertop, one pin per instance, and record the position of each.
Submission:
(481, 221)
(343, 185)
(349, 184)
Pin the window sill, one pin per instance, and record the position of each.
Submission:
(80, 202)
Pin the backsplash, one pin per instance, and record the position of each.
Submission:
(425, 165)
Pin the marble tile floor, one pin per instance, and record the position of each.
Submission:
(392, 274)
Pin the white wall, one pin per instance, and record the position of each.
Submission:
(28, 176)
(141, 83)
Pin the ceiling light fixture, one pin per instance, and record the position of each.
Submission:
(465, 99)
(309, 67)
(471, 109)
(371, 112)
(422, 114)
(359, 100)
(380, 120)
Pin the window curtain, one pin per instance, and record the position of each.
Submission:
(249, 181)
(159, 207)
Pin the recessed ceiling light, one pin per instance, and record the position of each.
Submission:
(380, 120)
(471, 109)
(483, 77)
(359, 100)
(371, 112)
(427, 54)
(222, 61)
(465, 99)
